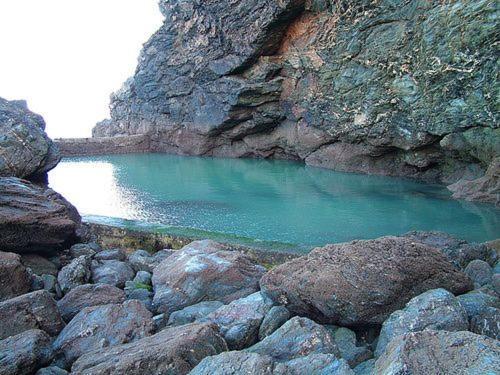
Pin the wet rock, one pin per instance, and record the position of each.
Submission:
(25, 149)
(194, 312)
(296, 338)
(36, 310)
(87, 249)
(487, 322)
(361, 282)
(52, 370)
(435, 309)
(274, 319)
(175, 350)
(34, 219)
(459, 252)
(14, 278)
(450, 352)
(88, 295)
(112, 272)
(74, 274)
(39, 265)
(480, 272)
(24, 353)
(113, 254)
(474, 302)
(239, 321)
(346, 342)
(100, 327)
(203, 270)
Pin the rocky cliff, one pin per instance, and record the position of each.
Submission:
(375, 86)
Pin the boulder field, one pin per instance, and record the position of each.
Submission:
(392, 305)
(383, 87)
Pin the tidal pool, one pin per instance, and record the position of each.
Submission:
(277, 205)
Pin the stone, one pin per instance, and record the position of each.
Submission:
(74, 274)
(320, 364)
(239, 321)
(14, 278)
(487, 322)
(175, 350)
(39, 265)
(51, 285)
(474, 302)
(495, 283)
(235, 362)
(142, 277)
(141, 260)
(296, 338)
(100, 327)
(25, 352)
(141, 294)
(88, 295)
(52, 370)
(365, 368)
(88, 249)
(450, 352)
(194, 312)
(25, 149)
(458, 251)
(346, 342)
(480, 272)
(274, 319)
(435, 309)
(34, 219)
(203, 271)
(113, 254)
(36, 310)
(361, 283)
(160, 321)
(112, 272)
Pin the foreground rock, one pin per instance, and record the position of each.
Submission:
(25, 149)
(87, 296)
(175, 350)
(435, 309)
(361, 282)
(36, 310)
(34, 219)
(14, 278)
(429, 352)
(103, 326)
(25, 353)
(203, 270)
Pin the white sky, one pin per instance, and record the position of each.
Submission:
(65, 57)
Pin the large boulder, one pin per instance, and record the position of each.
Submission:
(480, 272)
(88, 295)
(430, 352)
(25, 149)
(112, 272)
(36, 310)
(25, 353)
(99, 327)
(435, 309)
(14, 278)
(76, 273)
(34, 219)
(361, 282)
(203, 270)
(175, 350)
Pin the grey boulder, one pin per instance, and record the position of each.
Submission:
(487, 323)
(112, 272)
(192, 313)
(480, 272)
(74, 274)
(141, 260)
(476, 301)
(52, 370)
(88, 249)
(112, 254)
(274, 319)
(347, 344)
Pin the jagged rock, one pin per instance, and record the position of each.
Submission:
(113, 254)
(435, 309)
(34, 219)
(274, 319)
(203, 270)
(474, 302)
(192, 313)
(36, 310)
(39, 265)
(14, 278)
(88, 249)
(112, 272)
(24, 353)
(88, 295)
(100, 327)
(487, 322)
(25, 149)
(450, 352)
(480, 272)
(346, 342)
(296, 338)
(52, 370)
(361, 282)
(239, 321)
(74, 274)
(175, 350)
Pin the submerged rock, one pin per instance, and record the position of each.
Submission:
(361, 282)
(14, 278)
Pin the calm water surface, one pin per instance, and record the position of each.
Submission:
(278, 205)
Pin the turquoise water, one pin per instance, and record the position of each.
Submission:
(279, 205)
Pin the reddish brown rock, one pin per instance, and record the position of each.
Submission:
(361, 282)
(14, 278)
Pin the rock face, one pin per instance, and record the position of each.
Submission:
(203, 270)
(376, 87)
(172, 351)
(14, 278)
(453, 352)
(361, 282)
(25, 149)
(34, 219)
